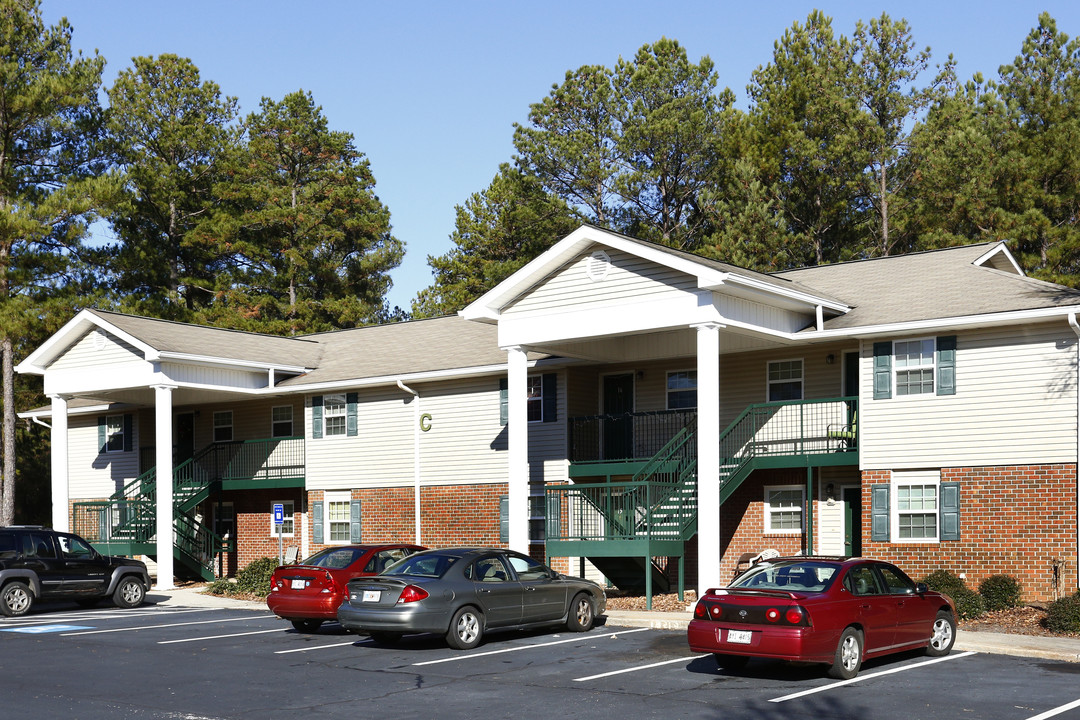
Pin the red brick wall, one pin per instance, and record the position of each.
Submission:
(254, 514)
(1013, 521)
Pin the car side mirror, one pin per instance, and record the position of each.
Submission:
(921, 588)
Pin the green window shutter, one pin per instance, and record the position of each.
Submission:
(549, 384)
(882, 370)
(129, 431)
(102, 433)
(946, 365)
(350, 414)
(317, 523)
(316, 418)
(879, 513)
(504, 519)
(504, 412)
(950, 510)
(355, 533)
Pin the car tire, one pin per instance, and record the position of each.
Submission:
(129, 593)
(730, 662)
(306, 625)
(848, 658)
(16, 599)
(466, 629)
(580, 617)
(386, 638)
(942, 634)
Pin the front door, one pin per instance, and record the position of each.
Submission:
(852, 521)
(499, 592)
(185, 438)
(618, 425)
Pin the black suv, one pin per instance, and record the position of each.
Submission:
(37, 563)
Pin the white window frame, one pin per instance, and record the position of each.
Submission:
(769, 382)
(329, 499)
(274, 422)
(290, 519)
(114, 433)
(769, 510)
(913, 478)
(230, 426)
(931, 366)
(668, 391)
(534, 383)
(343, 414)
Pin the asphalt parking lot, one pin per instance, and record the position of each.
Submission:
(199, 663)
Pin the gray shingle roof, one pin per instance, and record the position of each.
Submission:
(927, 286)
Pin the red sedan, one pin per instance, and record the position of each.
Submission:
(837, 611)
(309, 593)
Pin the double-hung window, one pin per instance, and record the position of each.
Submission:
(281, 421)
(916, 506)
(337, 517)
(334, 414)
(919, 366)
(914, 367)
(682, 390)
(785, 380)
(784, 509)
(114, 433)
(535, 398)
(223, 426)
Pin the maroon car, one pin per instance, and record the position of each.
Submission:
(838, 611)
(309, 593)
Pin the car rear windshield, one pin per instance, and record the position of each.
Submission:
(423, 564)
(335, 558)
(796, 576)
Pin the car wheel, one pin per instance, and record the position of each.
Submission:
(466, 629)
(307, 625)
(16, 599)
(580, 618)
(942, 635)
(386, 638)
(848, 658)
(730, 662)
(129, 593)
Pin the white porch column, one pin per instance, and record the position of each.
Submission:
(708, 466)
(58, 455)
(164, 473)
(517, 426)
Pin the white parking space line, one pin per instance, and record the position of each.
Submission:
(357, 643)
(1056, 711)
(167, 625)
(637, 667)
(470, 656)
(219, 637)
(84, 616)
(869, 676)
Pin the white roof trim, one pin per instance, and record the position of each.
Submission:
(228, 362)
(1013, 317)
(989, 256)
(36, 362)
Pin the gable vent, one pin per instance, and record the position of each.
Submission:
(598, 266)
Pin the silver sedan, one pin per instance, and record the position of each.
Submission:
(464, 592)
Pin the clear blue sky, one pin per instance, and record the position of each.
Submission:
(430, 90)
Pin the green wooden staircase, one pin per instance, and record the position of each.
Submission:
(126, 523)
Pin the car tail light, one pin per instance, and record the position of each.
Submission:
(794, 615)
(700, 611)
(411, 593)
(772, 615)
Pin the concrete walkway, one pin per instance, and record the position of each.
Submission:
(1047, 648)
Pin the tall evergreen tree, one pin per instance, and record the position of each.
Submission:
(496, 232)
(168, 133)
(308, 241)
(48, 119)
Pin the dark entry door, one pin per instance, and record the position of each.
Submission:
(618, 425)
(852, 522)
(185, 437)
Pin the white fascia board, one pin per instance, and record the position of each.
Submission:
(210, 361)
(85, 410)
(939, 324)
(1002, 250)
(37, 361)
(797, 298)
(435, 375)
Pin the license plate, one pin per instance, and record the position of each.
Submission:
(741, 637)
(372, 595)
(299, 584)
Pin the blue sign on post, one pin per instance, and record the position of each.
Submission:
(279, 514)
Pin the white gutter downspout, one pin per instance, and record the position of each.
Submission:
(416, 456)
(1076, 329)
(39, 421)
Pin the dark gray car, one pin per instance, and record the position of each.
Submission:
(464, 592)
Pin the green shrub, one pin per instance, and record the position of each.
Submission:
(222, 586)
(1064, 615)
(969, 604)
(1000, 592)
(255, 578)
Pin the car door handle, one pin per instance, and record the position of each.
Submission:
(530, 588)
(485, 591)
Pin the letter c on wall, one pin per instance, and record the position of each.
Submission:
(425, 422)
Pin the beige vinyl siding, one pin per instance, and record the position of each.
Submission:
(93, 474)
(1015, 403)
(97, 349)
(630, 278)
(744, 377)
